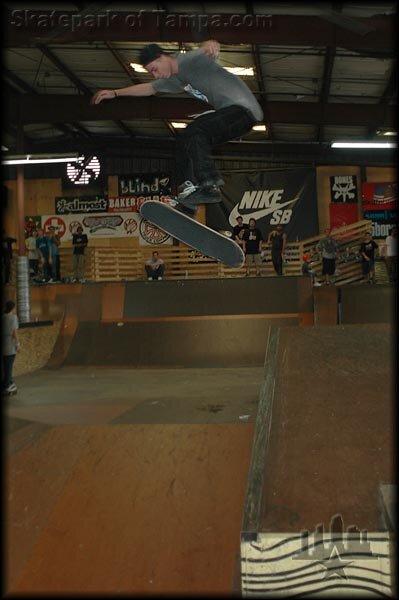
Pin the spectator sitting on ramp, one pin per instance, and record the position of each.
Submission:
(155, 267)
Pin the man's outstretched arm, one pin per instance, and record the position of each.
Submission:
(211, 48)
(140, 89)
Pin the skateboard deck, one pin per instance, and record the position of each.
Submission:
(194, 234)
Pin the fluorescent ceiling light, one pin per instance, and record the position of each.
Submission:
(4, 148)
(259, 128)
(39, 159)
(363, 145)
(178, 125)
(386, 132)
(138, 68)
(249, 71)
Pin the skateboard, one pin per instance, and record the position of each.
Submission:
(200, 237)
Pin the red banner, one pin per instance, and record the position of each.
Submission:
(379, 196)
(343, 214)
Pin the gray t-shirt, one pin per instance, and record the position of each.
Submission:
(328, 247)
(9, 323)
(202, 77)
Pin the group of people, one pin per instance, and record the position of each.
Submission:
(250, 238)
(44, 258)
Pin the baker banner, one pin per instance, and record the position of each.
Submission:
(283, 197)
(106, 225)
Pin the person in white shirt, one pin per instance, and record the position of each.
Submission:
(33, 253)
(10, 346)
(391, 254)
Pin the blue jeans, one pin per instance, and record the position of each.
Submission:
(8, 363)
(194, 144)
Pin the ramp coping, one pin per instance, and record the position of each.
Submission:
(254, 494)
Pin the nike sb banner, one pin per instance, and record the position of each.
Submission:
(284, 197)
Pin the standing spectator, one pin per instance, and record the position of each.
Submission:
(33, 253)
(278, 239)
(252, 247)
(307, 268)
(79, 242)
(329, 251)
(10, 346)
(155, 267)
(238, 231)
(367, 253)
(54, 255)
(6, 256)
(43, 245)
(391, 254)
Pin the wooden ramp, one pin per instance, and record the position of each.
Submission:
(323, 445)
(143, 509)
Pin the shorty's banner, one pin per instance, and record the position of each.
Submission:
(379, 196)
(286, 197)
(382, 222)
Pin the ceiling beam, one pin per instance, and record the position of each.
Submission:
(326, 83)
(82, 87)
(16, 84)
(29, 27)
(51, 108)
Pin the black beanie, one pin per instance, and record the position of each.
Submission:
(150, 53)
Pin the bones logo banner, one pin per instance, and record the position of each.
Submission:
(285, 197)
(343, 188)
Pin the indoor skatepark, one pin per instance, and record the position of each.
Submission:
(195, 451)
(221, 431)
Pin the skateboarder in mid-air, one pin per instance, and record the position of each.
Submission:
(234, 112)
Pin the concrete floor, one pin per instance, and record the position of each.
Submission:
(81, 395)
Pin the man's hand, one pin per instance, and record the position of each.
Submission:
(211, 48)
(102, 95)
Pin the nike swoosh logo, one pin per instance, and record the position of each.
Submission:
(259, 214)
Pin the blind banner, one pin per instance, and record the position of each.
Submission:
(285, 197)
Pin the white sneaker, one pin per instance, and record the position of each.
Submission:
(159, 278)
(317, 284)
(51, 281)
(186, 189)
(150, 279)
(11, 388)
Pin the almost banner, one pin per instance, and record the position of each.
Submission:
(284, 197)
